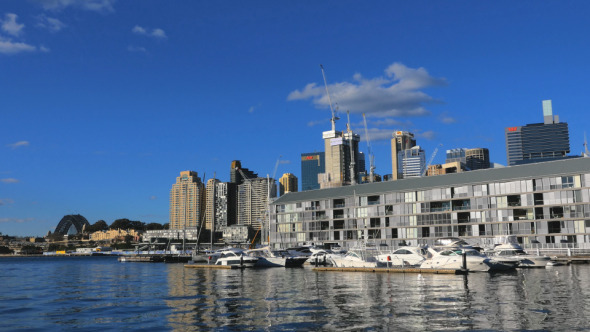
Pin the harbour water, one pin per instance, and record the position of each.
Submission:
(102, 294)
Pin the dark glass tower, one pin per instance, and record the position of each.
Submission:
(312, 164)
(538, 142)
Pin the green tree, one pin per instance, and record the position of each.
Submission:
(154, 226)
(5, 250)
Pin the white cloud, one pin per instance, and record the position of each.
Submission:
(18, 144)
(429, 135)
(16, 220)
(396, 95)
(446, 119)
(10, 26)
(7, 46)
(9, 180)
(153, 197)
(156, 33)
(140, 49)
(92, 5)
(49, 23)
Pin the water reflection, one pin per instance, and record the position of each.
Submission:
(300, 299)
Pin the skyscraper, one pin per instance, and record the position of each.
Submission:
(312, 164)
(186, 201)
(340, 149)
(470, 159)
(253, 198)
(236, 177)
(538, 141)
(411, 162)
(402, 140)
(288, 183)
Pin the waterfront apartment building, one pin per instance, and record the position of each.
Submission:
(186, 201)
(287, 183)
(402, 140)
(538, 141)
(312, 165)
(545, 202)
(253, 199)
(220, 207)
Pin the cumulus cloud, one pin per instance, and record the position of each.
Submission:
(18, 144)
(156, 33)
(10, 26)
(49, 23)
(9, 180)
(398, 94)
(91, 5)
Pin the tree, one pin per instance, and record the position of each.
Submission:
(127, 224)
(166, 226)
(154, 226)
(100, 225)
(5, 250)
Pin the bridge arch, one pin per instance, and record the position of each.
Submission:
(72, 219)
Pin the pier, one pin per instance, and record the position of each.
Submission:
(211, 266)
(389, 270)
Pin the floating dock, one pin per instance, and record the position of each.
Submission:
(211, 266)
(389, 270)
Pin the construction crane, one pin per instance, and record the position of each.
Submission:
(334, 117)
(350, 140)
(274, 173)
(430, 160)
(371, 157)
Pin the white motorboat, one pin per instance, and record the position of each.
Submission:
(403, 257)
(453, 259)
(236, 257)
(514, 252)
(299, 251)
(362, 255)
(275, 258)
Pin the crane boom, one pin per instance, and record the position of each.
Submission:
(334, 117)
(350, 139)
(430, 160)
(371, 157)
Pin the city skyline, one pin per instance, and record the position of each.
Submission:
(105, 104)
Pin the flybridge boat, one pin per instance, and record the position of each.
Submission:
(453, 259)
(236, 257)
(362, 255)
(403, 257)
(275, 258)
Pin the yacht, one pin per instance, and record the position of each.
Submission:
(453, 259)
(236, 257)
(514, 252)
(403, 257)
(275, 258)
(362, 255)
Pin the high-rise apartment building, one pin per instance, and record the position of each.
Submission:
(210, 202)
(470, 159)
(411, 162)
(186, 201)
(538, 142)
(402, 140)
(287, 184)
(253, 200)
(312, 164)
(235, 176)
(340, 149)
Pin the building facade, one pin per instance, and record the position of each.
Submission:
(187, 198)
(402, 140)
(287, 184)
(411, 162)
(538, 141)
(236, 171)
(538, 203)
(471, 159)
(340, 149)
(312, 165)
(253, 199)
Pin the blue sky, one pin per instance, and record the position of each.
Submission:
(104, 102)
